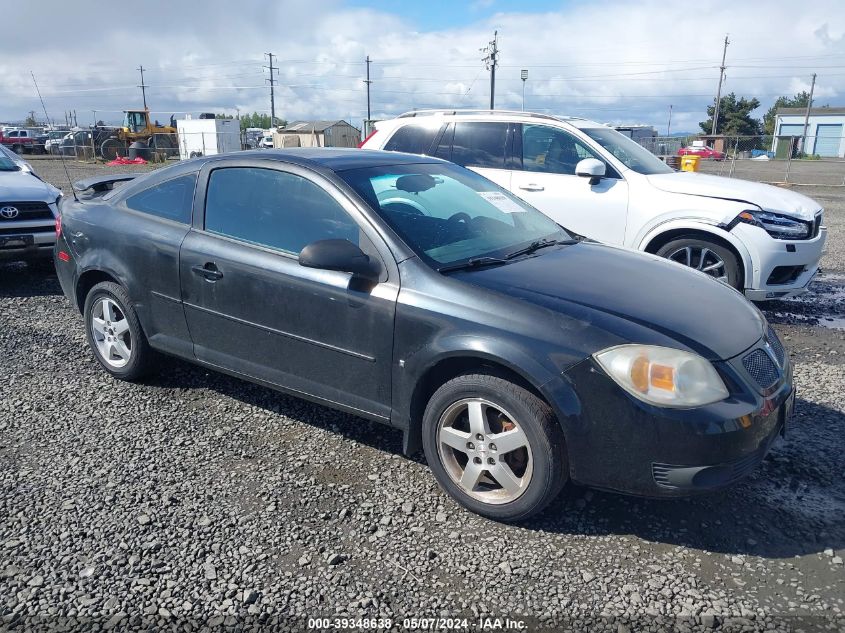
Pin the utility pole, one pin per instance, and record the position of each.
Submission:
(143, 86)
(490, 62)
(272, 91)
(368, 82)
(523, 74)
(719, 89)
(807, 115)
(669, 125)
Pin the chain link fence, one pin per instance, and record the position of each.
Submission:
(797, 160)
(109, 143)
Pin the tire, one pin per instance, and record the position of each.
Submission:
(539, 466)
(135, 359)
(687, 249)
(17, 149)
(110, 147)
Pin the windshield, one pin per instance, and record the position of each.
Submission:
(632, 154)
(448, 214)
(7, 164)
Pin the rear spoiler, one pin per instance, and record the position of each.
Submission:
(103, 183)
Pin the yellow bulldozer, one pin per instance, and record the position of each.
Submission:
(137, 126)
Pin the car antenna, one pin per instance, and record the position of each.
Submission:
(61, 151)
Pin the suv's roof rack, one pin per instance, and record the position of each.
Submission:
(534, 115)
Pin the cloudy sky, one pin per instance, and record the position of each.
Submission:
(619, 61)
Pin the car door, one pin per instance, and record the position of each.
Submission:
(252, 309)
(545, 177)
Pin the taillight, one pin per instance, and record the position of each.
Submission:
(58, 226)
(369, 136)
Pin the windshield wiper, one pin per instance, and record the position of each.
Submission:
(473, 262)
(535, 246)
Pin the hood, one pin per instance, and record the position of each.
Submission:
(649, 292)
(24, 187)
(766, 197)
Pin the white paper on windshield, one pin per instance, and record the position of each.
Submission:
(501, 201)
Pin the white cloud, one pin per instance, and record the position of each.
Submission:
(619, 61)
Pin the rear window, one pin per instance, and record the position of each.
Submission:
(413, 139)
(171, 200)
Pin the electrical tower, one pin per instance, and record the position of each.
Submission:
(143, 86)
(272, 81)
(490, 62)
(368, 82)
(719, 89)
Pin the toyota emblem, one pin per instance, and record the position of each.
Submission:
(9, 213)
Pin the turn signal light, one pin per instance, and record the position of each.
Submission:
(645, 374)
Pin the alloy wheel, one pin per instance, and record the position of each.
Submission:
(701, 258)
(111, 334)
(484, 451)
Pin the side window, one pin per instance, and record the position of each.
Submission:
(480, 144)
(171, 200)
(414, 139)
(553, 151)
(274, 209)
(13, 134)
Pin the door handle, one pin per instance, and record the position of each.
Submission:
(532, 187)
(209, 271)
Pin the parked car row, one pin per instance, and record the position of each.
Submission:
(436, 299)
(28, 211)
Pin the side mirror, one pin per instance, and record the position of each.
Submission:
(592, 169)
(340, 255)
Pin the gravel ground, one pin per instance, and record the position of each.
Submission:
(198, 500)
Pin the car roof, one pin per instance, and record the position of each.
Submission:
(500, 114)
(333, 158)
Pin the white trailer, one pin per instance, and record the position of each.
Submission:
(207, 137)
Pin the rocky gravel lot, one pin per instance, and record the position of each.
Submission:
(195, 500)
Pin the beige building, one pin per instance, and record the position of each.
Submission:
(317, 134)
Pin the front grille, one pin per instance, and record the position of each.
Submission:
(27, 211)
(761, 368)
(776, 345)
(676, 476)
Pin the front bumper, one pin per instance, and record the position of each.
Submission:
(798, 258)
(26, 244)
(619, 443)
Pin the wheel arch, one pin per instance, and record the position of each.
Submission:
(88, 280)
(661, 236)
(448, 366)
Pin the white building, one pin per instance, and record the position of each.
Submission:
(825, 131)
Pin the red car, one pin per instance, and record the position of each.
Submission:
(703, 151)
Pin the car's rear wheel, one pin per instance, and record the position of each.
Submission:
(494, 446)
(114, 332)
(706, 256)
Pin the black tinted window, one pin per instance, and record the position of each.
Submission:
(274, 209)
(414, 139)
(171, 200)
(480, 144)
(547, 149)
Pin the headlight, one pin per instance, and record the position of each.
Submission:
(780, 227)
(663, 376)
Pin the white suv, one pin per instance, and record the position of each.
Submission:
(763, 240)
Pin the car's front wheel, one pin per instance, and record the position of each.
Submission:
(494, 446)
(114, 332)
(706, 256)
